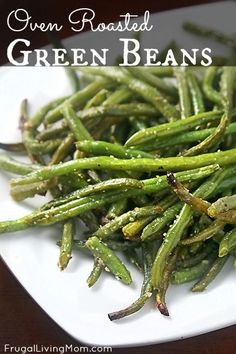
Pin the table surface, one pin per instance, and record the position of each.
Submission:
(22, 321)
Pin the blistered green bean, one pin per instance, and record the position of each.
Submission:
(110, 260)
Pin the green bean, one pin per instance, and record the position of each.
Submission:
(198, 257)
(161, 294)
(228, 217)
(146, 291)
(149, 93)
(119, 110)
(227, 93)
(13, 147)
(10, 165)
(184, 95)
(228, 243)
(118, 96)
(169, 243)
(102, 148)
(29, 191)
(118, 246)
(79, 131)
(222, 205)
(173, 128)
(77, 100)
(53, 215)
(117, 208)
(215, 138)
(223, 158)
(212, 140)
(147, 256)
(189, 274)
(127, 183)
(98, 99)
(152, 185)
(22, 192)
(44, 147)
(176, 231)
(52, 133)
(39, 116)
(162, 72)
(110, 260)
(133, 229)
(190, 137)
(111, 184)
(24, 115)
(207, 278)
(153, 229)
(66, 244)
(124, 219)
(75, 124)
(96, 272)
(209, 232)
(142, 74)
(145, 164)
(227, 87)
(29, 130)
(184, 194)
(136, 306)
(196, 94)
(208, 89)
(63, 149)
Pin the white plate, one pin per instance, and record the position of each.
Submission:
(32, 255)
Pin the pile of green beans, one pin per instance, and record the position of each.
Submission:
(111, 155)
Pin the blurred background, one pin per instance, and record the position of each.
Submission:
(56, 11)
